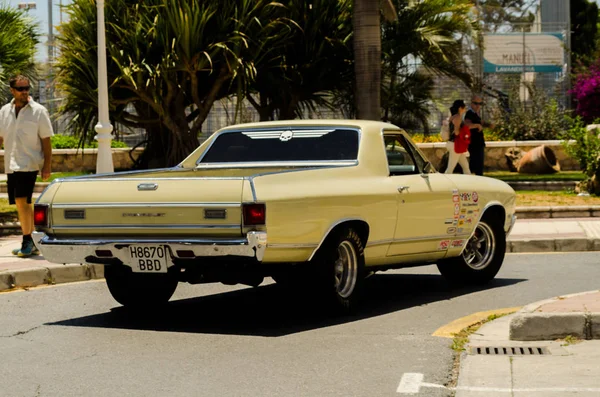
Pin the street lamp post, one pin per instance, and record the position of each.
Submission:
(104, 161)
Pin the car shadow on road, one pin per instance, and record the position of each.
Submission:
(272, 311)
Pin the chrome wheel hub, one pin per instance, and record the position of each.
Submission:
(480, 248)
(346, 269)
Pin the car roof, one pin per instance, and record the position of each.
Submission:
(361, 124)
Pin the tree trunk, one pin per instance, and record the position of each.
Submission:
(367, 59)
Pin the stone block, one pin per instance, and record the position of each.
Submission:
(6, 281)
(532, 246)
(572, 244)
(69, 273)
(547, 326)
(594, 319)
(31, 277)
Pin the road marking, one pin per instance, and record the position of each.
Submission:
(449, 330)
(412, 382)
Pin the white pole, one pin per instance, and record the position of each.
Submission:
(104, 161)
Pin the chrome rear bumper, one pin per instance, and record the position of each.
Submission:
(73, 250)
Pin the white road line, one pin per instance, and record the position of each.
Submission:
(530, 390)
(412, 382)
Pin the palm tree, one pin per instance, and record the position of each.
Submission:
(168, 62)
(18, 38)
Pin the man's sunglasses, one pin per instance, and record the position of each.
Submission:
(21, 89)
(477, 103)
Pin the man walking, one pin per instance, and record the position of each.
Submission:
(25, 130)
(477, 145)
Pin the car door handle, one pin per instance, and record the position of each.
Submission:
(402, 188)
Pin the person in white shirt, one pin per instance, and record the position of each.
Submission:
(25, 130)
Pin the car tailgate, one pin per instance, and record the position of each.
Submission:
(148, 206)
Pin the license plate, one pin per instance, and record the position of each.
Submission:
(148, 258)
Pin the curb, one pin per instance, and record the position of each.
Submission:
(36, 276)
(545, 212)
(529, 325)
(549, 186)
(553, 245)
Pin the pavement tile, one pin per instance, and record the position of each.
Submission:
(586, 302)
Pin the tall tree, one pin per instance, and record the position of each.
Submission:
(18, 38)
(367, 58)
(584, 25)
(315, 59)
(496, 14)
(169, 61)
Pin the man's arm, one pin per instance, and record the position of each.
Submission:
(471, 124)
(47, 149)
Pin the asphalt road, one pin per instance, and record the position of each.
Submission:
(215, 340)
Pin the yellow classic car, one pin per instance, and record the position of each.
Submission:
(316, 204)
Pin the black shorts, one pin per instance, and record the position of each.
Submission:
(20, 184)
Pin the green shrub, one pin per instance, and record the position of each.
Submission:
(586, 148)
(71, 142)
(539, 119)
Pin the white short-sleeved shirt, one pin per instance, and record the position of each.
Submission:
(22, 136)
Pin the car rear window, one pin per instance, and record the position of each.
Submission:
(314, 144)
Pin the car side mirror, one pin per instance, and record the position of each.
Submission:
(427, 168)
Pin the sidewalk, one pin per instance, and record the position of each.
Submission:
(499, 361)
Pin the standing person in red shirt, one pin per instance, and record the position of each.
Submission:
(457, 148)
(477, 145)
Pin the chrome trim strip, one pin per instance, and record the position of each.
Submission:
(162, 178)
(379, 242)
(252, 188)
(72, 250)
(430, 238)
(145, 204)
(331, 227)
(512, 224)
(324, 163)
(289, 246)
(147, 186)
(147, 226)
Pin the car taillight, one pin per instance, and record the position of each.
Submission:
(40, 215)
(254, 214)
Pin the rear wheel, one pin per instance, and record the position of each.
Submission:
(139, 290)
(341, 269)
(482, 257)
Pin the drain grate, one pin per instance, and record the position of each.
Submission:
(509, 351)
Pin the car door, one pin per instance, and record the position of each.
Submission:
(428, 208)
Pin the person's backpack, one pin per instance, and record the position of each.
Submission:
(445, 130)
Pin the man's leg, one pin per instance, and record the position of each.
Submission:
(24, 183)
(25, 212)
(476, 160)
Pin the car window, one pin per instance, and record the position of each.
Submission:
(400, 159)
(316, 144)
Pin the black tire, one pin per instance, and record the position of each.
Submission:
(139, 290)
(482, 257)
(340, 265)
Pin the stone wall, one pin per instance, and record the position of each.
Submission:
(65, 160)
(68, 160)
(494, 153)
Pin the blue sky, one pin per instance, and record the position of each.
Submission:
(40, 14)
